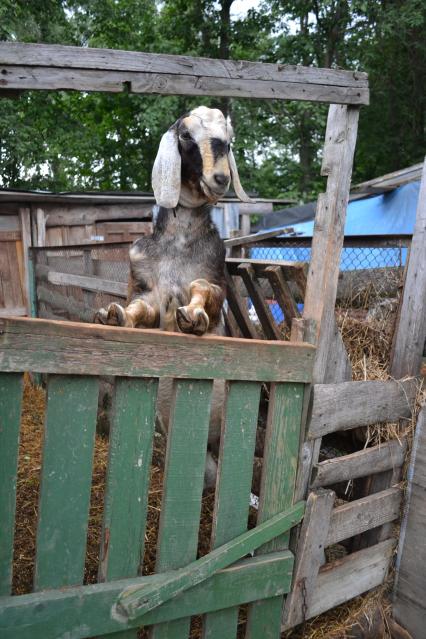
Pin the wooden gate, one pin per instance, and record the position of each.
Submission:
(74, 356)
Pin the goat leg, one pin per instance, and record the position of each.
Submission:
(203, 309)
(137, 313)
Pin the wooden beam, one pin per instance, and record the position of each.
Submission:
(60, 56)
(360, 464)
(90, 610)
(77, 215)
(68, 347)
(409, 606)
(72, 79)
(337, 407)
(40, 66)
(410, 334)
(327, 243)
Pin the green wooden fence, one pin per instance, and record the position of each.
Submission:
(74, 356)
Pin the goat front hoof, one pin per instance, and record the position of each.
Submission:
(190, 320)
(113, 315)
(116, 315)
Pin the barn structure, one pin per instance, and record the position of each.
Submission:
(278, 567)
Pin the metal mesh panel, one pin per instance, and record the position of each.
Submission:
(367, 273)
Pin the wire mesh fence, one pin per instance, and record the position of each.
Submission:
(73, 282)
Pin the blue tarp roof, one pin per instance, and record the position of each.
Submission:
(386, 214)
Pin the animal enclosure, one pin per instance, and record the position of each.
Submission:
(310, 397)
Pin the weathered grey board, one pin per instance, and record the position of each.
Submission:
(48, 346)
(410, 334)
(360, 464)
(52, 79)
(351, 404)
(349, 577)
(310, 556)
(90, 58)
(363, 514)
(74, 215)
(327, 243)
(409, 606)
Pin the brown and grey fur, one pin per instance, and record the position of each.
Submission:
(177, 278)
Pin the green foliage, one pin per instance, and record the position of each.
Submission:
(67, 140)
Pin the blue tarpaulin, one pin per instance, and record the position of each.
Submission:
(391, 213)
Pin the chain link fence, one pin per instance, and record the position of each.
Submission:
(72, 282)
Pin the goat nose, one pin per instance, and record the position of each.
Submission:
(221, 179)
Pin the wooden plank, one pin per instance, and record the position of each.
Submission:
(349, 577)
(360, 464)
(410, 582)
(253, 238)
(90, 610)
(108, 59)
(348, 405)
(135, 602)
(25, 222)
(128, 477)
(233, 486)
(183, 485)
(89, 283)
(277, 489)
(363, 514)
(77, 215)
(290, 269)
(11, 389)
(9, 236)
(41, 227)
(72, 404)
(310, 556)
(338, 367)
(239, 309)
(282, 293)
(67, 78)
(410, 333)
(17, 311)
(255, 292)
(48, 346)
(126, 501)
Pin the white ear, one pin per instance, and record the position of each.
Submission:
(236, 179)
(166, 171)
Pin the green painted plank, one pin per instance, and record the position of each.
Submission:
(11, 389)
(87, 611)
(233, 488)
(134, 603)
(183, 486)
(48, 346)
(277, 490)
(65, 480)
(126, 500)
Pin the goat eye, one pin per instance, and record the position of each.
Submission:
(229, 147)
(185, 136)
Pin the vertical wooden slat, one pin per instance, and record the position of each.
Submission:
(277, 490)
(234, 484)
(126, 501)
(11, 387)
(183, 486)
(262, 309)
(66, 480)
(282, 293)
(239, 309)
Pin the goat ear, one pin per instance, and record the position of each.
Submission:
(236, 179)
(166, 171)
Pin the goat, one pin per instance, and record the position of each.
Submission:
(177, 274)
(177, 279)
